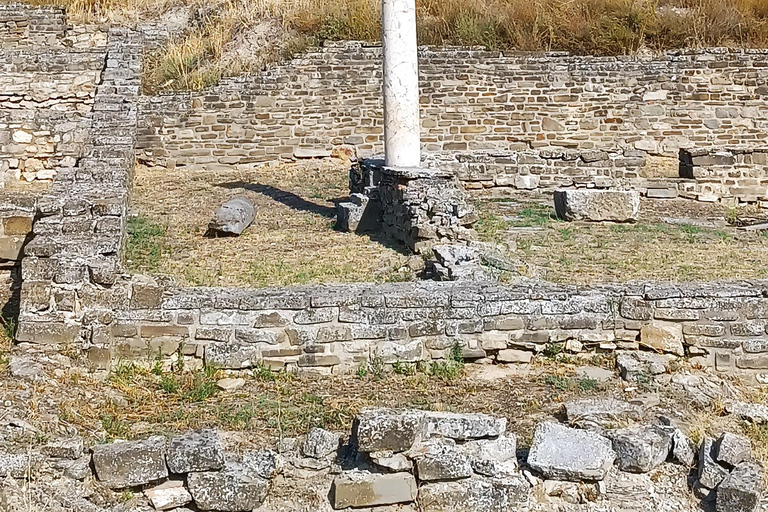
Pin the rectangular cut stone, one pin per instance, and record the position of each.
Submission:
(597, 205)
(364, 489)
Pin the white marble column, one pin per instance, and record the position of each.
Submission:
(401, 84)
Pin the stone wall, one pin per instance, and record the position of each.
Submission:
(333, 329)
(21, 25)
(472, 100)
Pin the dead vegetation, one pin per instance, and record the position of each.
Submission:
(675, 240)
(228, 37)
(291, 241)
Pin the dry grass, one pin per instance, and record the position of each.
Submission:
(291, 241)
(602, 27)
(582, 253)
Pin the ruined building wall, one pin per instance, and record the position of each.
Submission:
(472, 101)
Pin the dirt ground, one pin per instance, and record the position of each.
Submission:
(674, 239)
(291, 241)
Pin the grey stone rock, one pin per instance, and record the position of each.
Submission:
(363, 489)
(462, 427)
(233, 217)
(128, 464)
(625, 491)
(68, 448)
(391, 461)
(756, 413)
(79, 469)
(640, 449)
(440, 459)
(731, 449)
(13, 465)
(710, 472)
(642, 366)
(320, 444)
(195, 451)
(741, 490)
(475, 494)
(378, 429)
(22, 367)
(565, 453)
(597, 205)
(600, 412)
(168, 495)
(233, 489)
(683, 450)
(262, 463)
(493, 457)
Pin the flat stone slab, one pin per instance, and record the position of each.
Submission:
(602, 412)
(462, 427)
(364, 489)
(565, 453)
(597, 205)
(475, 494)
(128, 464)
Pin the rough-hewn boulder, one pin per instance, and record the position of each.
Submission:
(475, 495)
(232, 217)
(441, 459)
(731, 449)
(640, 449)
(600, 412)
(320, 443)
(195, 451)
(741, 490)
(378, 429)
(233, 489)
(565, 453)
(710, 472)
(128, 464)
(597, 205)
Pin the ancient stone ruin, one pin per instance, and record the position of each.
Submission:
(73, 124)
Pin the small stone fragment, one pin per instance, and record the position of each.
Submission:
(741, 490)
(263, 463)
(602, 412)
(440, 460)
(642, 366)
(320, 444)
(364, 489)
(196, 451)
(391, 461)
(565, 453)
(731, 449)
(233, 489)
(233, 217)
(168, 495)
(70, 448)
(230, 384)
(130, 463)
(640, 449)
(710, 472)
(493, 457)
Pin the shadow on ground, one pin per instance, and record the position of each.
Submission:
(289, 199)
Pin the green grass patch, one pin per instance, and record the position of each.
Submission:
(144, 244)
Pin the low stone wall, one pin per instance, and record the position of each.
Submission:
(728, 174)
(335, 329)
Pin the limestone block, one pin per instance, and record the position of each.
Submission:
(440, 459)
(364, 489)
(566, 453)
(233, 489)
(128, 464)
(597, 205)
(741, 490)
(710, 472)
(663, 337)
(320, 444)
(463, 427)
(475, 495)
(195, 451)
(168, 495)
(378, 429)
(600, 412)
(233, 217)
(640, 449)
(732, 449)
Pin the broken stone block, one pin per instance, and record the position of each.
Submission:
(642, 366)
(320, 444)
(710, 472)
(13, 465)
(476, 494)
(233, 217)
(756, 413)
(462, 427)
(493, 457)
(233, 489)
(640, 449)
(682, 448)
(600, 412)
(168, 495)
(358, 215)
(70, 448)
(78, 469)
(565, 453)
(440, 459)
(663, 337)
(196, 451)
(741, 490)
(263, 463)
(597, 205)
(363, 489)
(130, 463)
(378, 429)
(230, 384)
(731, 449)
(392, 461)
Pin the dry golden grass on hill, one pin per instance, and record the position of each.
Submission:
(603, 27)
